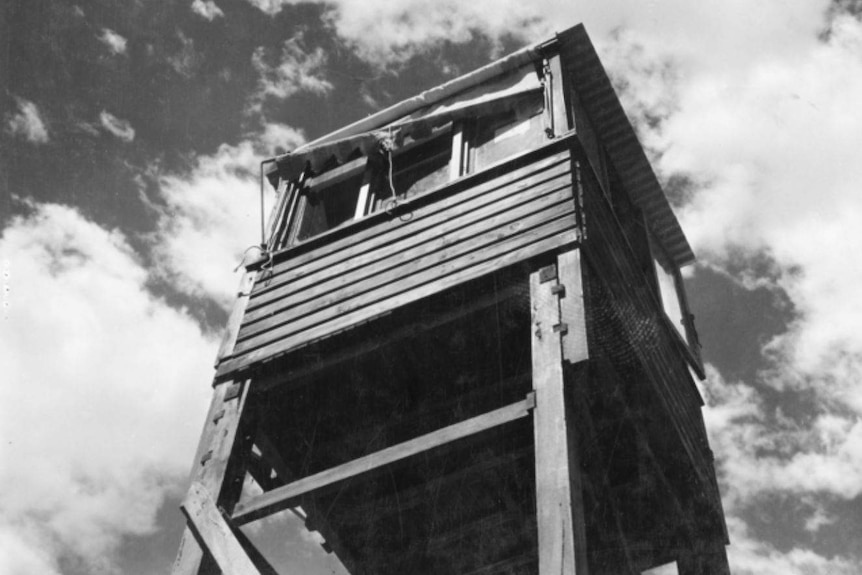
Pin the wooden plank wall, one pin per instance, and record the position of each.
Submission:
(515, 215)
(612, 260)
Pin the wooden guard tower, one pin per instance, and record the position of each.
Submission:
(467, 348)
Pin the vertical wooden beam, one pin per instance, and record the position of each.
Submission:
(214, 533)
(572, 311)
(456, 162)
(217, 468)
(234, 320)
(559, 497)
(559, 109)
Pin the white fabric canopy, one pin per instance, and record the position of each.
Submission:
(489, 97)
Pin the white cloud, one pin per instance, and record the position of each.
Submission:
(761, 453)
(750, 556)
(115, 43)
(271, 7)
(213, 215)
(120, 128)
(28, 123)
(104, 387)
(296, 70)
(207, 9)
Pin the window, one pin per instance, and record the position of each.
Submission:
(329, 200)
(506, 133)
(417, 167)
(461, 135)
(667, 284)
(672, 294)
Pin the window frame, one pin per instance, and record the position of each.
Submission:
(688, 337)
(462, 139)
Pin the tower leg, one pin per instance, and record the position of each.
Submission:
(559, 489)
(218, 468)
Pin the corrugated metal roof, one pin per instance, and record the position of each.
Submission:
(616, 133)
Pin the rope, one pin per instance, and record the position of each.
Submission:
(266, 267)
(392, 204)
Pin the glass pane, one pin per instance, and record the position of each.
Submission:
(329, 207)
(670, 296)
(509, 133)
(415, 171)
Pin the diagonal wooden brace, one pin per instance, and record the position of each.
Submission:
(214, 534)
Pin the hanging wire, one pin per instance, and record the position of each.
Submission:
(265, 254)
(392, 204)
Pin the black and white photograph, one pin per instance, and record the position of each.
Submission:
(430, 287)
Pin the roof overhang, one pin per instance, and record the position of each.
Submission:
(610, 123)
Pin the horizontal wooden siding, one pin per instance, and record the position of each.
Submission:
(512, 216)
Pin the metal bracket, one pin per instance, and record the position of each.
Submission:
(218, 415)
(561, 328)
(548, 273)
(559, 290)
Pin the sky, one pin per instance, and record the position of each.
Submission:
(130, 135)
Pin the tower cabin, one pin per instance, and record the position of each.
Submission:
(468, 348)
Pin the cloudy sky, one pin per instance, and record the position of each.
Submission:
(130, 133)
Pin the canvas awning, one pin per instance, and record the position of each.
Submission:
(493, 96)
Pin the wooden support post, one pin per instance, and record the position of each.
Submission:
(286, 496)
(559, 497)
(214, 533)
(217, 468)
(283, 476)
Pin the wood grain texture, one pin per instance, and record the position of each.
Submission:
(396, 268)
(553, 236)
(211, 469)
(389, 230)
(562, 549)
(305, 284)
(235, 319)
(442, 243)
(572, 311)
(214, 533)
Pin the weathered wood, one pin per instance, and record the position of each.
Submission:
(396, 234)
(416, 274)
(451, 274)
(350, 169)
(299, 375)
(341, 286)
(235, 319)
(282, 497)
(365, 263)
(559, 504)
(284, 475)
(572, 311)
(559, 109)
(382, 229)
(213, 532)
(457, 152)
(217, 467)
